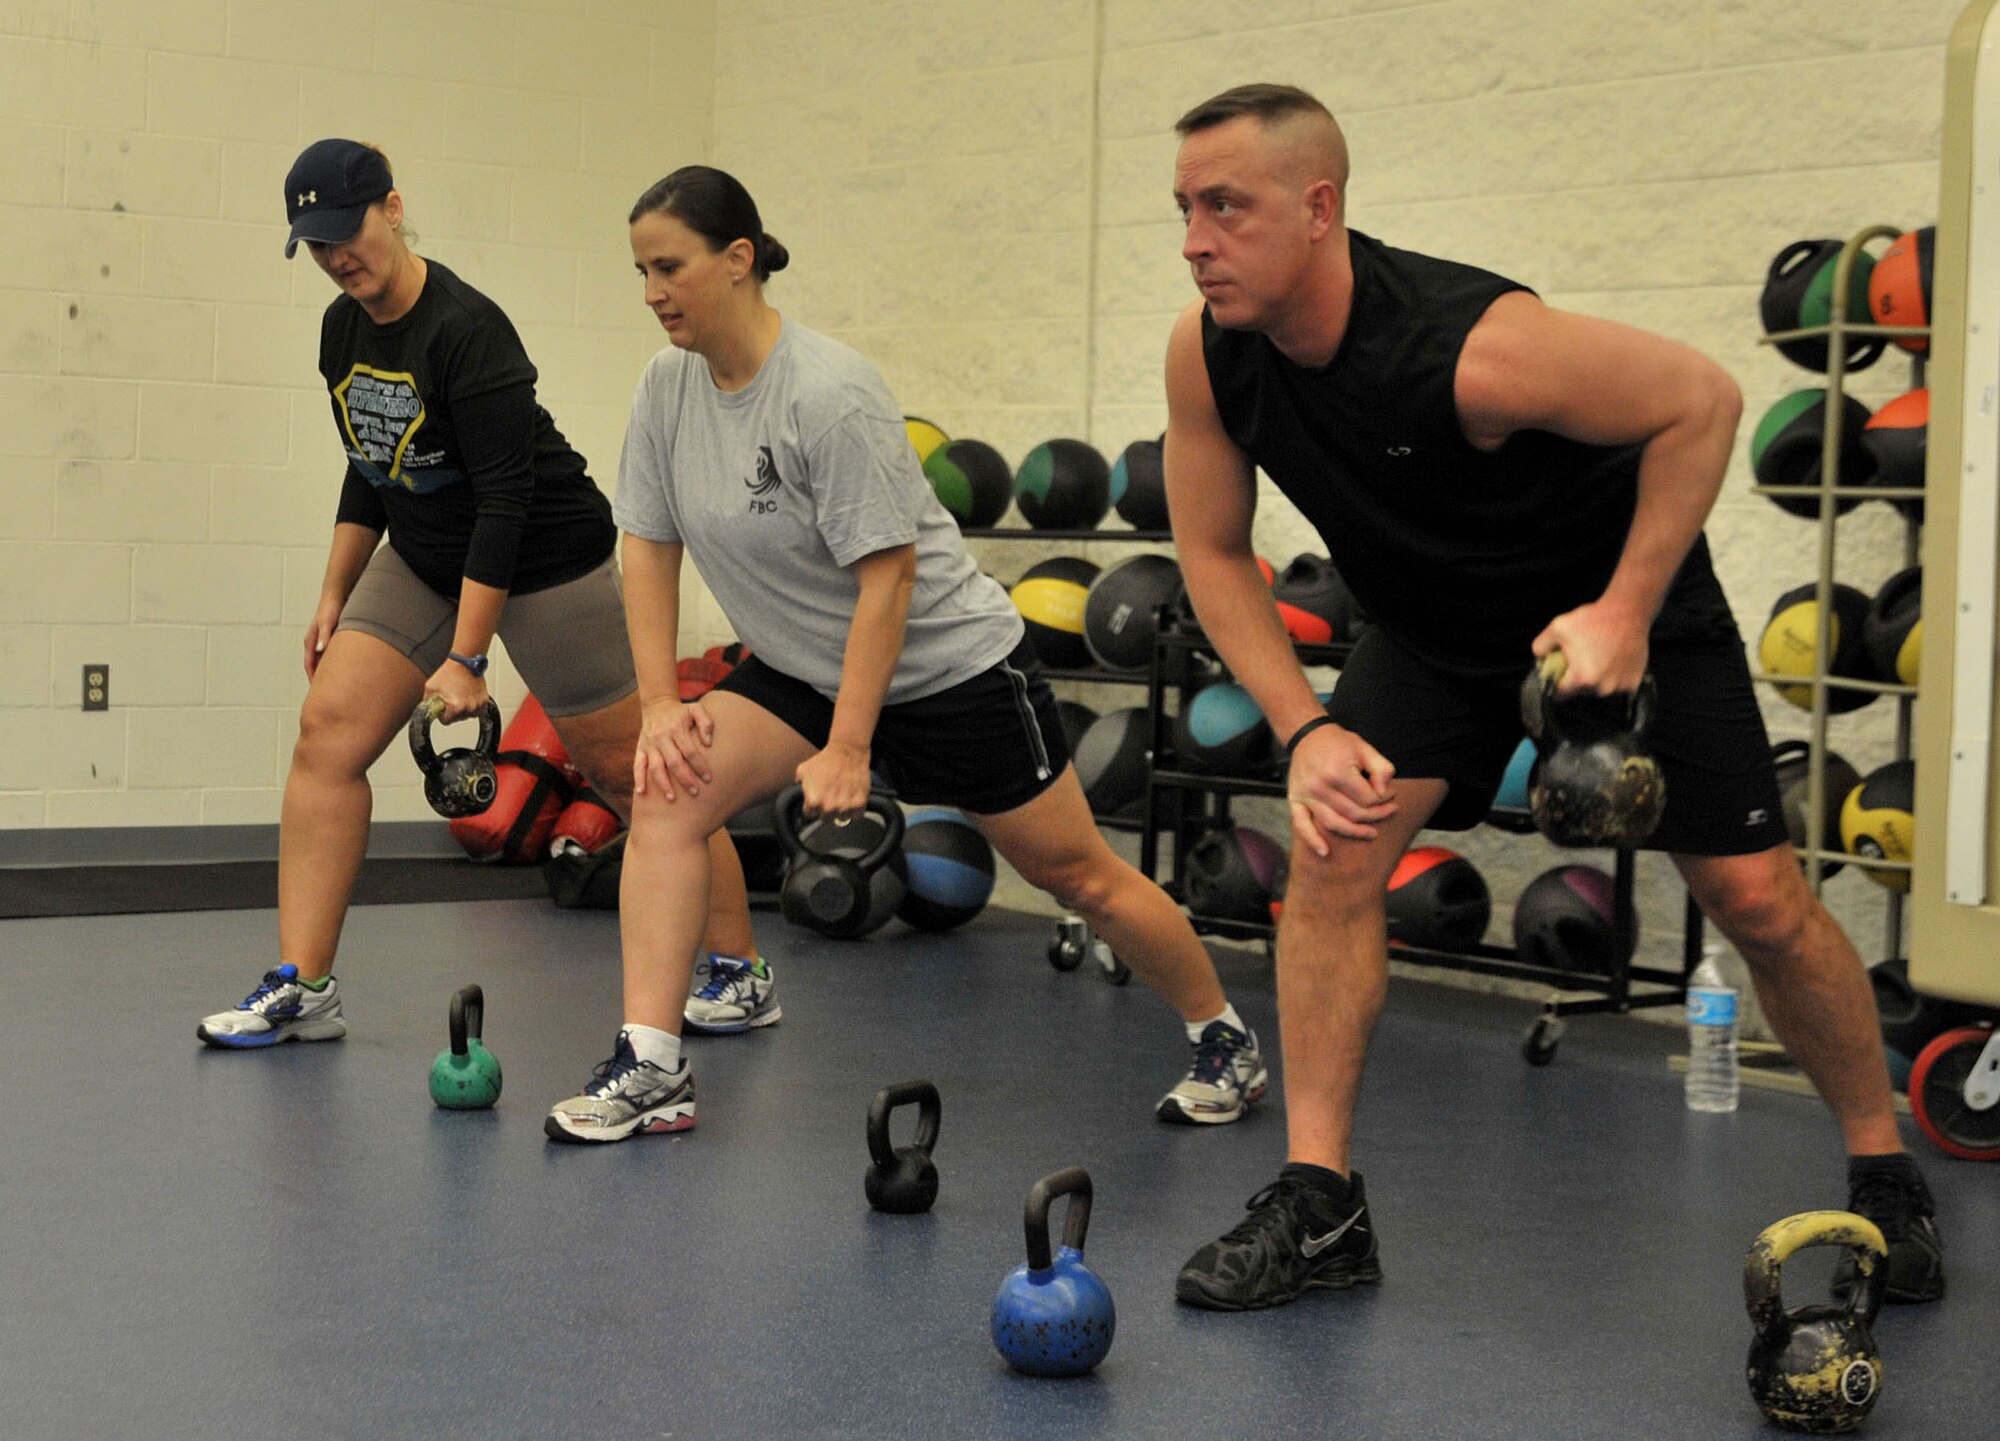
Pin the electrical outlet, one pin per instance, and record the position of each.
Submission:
(97, 687)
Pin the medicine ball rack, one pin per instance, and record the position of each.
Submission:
(1186, 804)
(1829, 492)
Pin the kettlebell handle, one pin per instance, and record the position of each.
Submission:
(930, 1112)
(468, 1018)
(788, 812)
(1761, 1267)
(1539, 699)
(425, 716)
(1073, 1182)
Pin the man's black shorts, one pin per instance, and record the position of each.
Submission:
(986, 745)
(1462, 726)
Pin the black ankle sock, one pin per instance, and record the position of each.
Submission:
(1330, 1184)
(1900, 1164)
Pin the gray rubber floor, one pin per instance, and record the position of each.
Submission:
(297, 1243)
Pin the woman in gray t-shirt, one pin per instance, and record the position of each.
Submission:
(776, 459)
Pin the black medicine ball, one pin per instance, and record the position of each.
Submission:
(1139, 485)
(972, 481)
(1879, 820)
(1063, 485)
(1050, 597)
(1798, 294)
(1898, 438)
(1221, 730)
(1790, 643)
(1564, 920)
(1113, 761)
(1437, 899)
(949, 870)
(1313, 601)
(1077, 718)
(1790, 760)
(1121, 616)
(1788, 448)
(1894, 630)
(1232, 874)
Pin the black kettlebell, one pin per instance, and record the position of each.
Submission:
(1598, 784)
(1815, 1368)
(460, 782)
(903, 1181)
(837, 896)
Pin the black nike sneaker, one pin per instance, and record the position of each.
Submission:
(1295, 1238)
(1899, 1202)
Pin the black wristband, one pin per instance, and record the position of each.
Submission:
(1292, 745)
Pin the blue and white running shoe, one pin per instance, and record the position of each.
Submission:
(280, 1009)
(730, 996)
(1227, 1076)
(625, 1095)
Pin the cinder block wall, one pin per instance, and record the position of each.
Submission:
(168, 460)
(978, 198)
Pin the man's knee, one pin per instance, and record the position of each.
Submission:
(1765, 909)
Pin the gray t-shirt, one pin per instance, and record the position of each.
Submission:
(776, 489)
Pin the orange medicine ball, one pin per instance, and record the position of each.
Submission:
(1899, 288)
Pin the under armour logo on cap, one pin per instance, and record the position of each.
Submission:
(329, 190)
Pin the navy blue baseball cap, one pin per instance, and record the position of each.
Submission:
(329, 190)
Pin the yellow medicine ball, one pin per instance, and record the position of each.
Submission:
(1788, 644)
(1878, 820)
(924, 435)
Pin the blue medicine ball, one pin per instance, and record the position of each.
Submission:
(950, 870)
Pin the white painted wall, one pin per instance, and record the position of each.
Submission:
(168, 460)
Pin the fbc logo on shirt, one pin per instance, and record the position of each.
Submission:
(767, 482)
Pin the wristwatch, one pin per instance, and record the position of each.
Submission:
(474, 663)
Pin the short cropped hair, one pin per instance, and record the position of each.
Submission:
(1268, 103)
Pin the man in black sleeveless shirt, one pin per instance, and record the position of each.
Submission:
(1495, 480)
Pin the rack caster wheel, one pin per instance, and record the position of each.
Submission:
(1116, 972)
(1538, 1046)
(1955, 1093)
(1069, 944)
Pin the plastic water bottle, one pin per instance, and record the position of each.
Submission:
(1711, 1011)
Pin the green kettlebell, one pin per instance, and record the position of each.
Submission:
(466, 1077)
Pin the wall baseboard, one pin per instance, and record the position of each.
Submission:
(171, 845)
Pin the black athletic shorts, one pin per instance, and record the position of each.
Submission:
(1462, 726)
(987, 745)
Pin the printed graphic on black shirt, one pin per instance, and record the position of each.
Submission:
(767, 481)
(381, 412)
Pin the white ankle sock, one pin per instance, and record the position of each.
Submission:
(650, 1043)
(1227, 1014)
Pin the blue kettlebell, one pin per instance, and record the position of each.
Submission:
(1053, 1316)
(467, 1076)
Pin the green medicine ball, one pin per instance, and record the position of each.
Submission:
(1788, 448)
(972, 481)
(1063, 485)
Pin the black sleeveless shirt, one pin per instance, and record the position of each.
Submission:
(1462, 555)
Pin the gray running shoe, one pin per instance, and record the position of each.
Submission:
(280, 1009)
(628, 1095)
(1227, 1075)
(730, 996)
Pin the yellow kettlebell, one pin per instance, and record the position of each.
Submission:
(1815, 1368)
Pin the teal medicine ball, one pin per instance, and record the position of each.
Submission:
(1063, 485)
(1221, 730)
(1139, 485)
(1510, 803)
